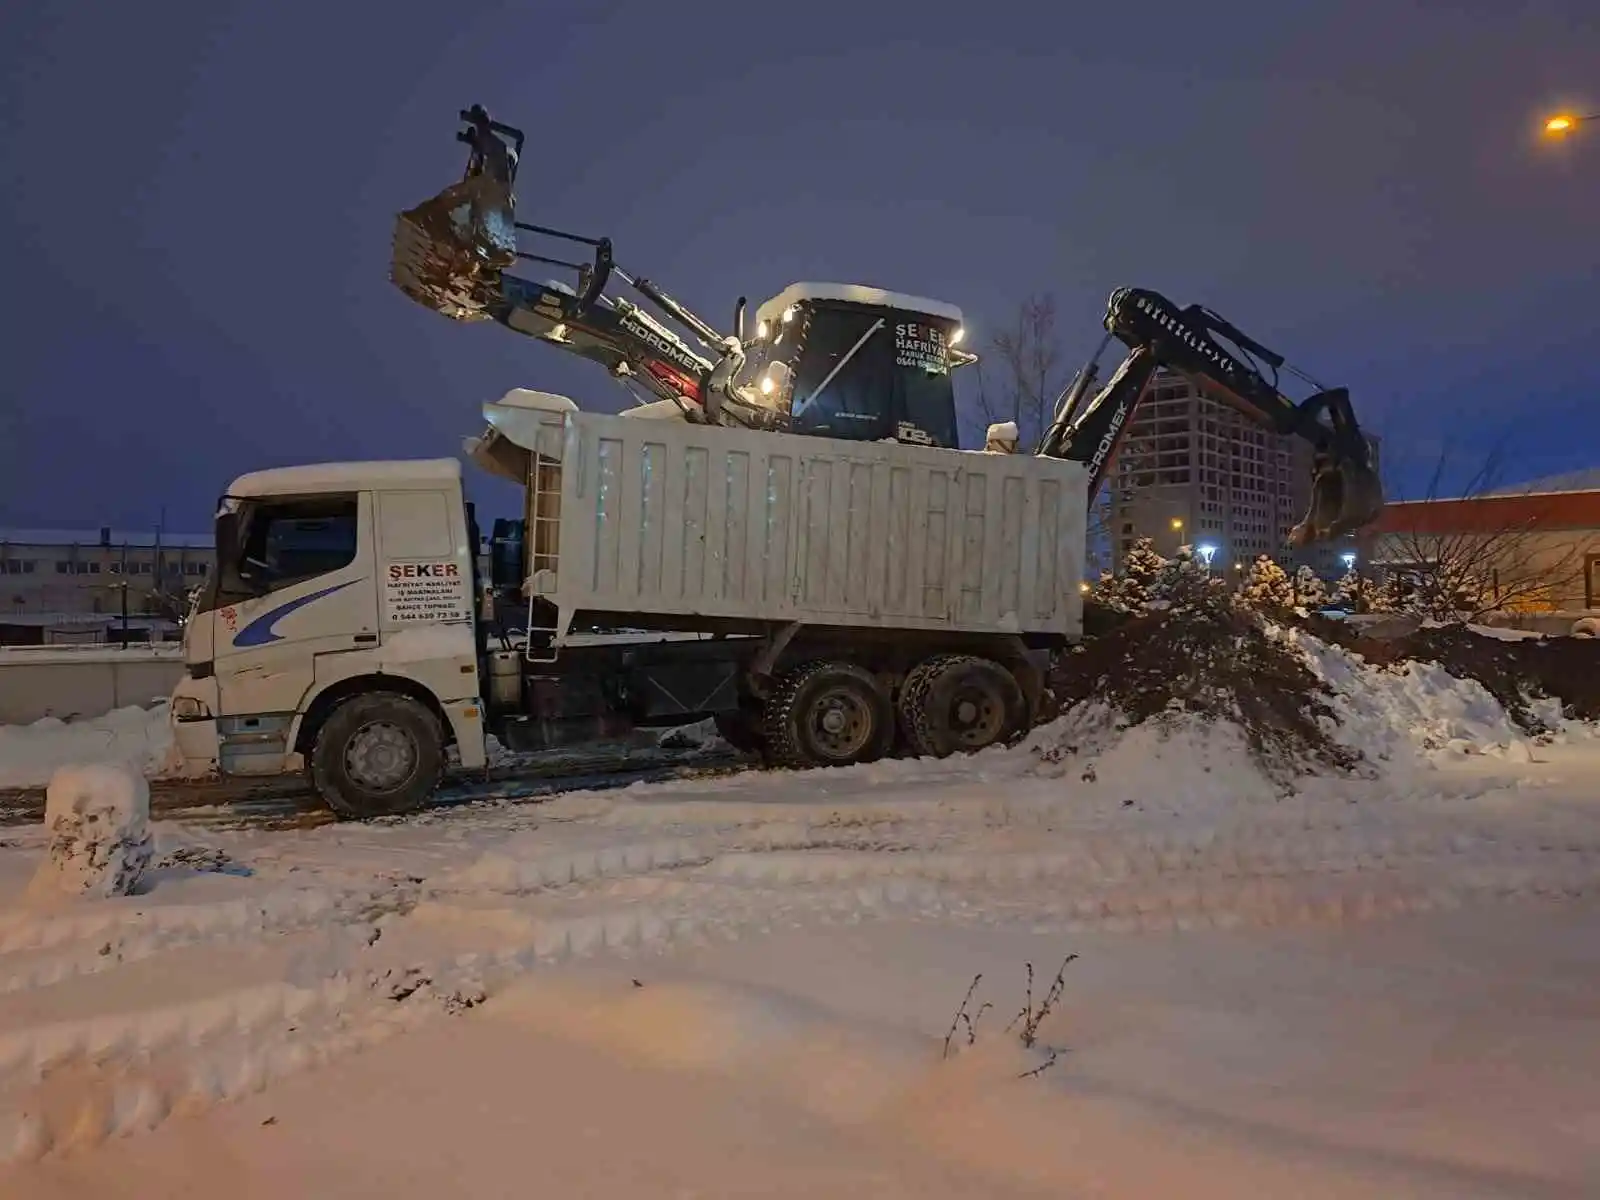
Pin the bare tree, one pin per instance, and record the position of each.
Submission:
(1028, 375)
(1028, 359)
(1474, 552)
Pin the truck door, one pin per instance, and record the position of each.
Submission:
(306, 567)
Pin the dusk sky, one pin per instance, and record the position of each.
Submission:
(199, 201)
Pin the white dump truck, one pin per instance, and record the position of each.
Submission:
(825, 601)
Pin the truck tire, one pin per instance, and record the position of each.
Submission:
(828, 714)
(378, 754)
(958, 702)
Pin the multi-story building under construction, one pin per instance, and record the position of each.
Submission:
(1193, 471)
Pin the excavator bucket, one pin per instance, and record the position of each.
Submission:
(449, 250)
(1346, 495)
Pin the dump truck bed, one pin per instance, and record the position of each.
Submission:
(704, 523)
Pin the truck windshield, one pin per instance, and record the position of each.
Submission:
(267, 543)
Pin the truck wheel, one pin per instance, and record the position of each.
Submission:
(957, 702)
(828, 714)
(378, 754)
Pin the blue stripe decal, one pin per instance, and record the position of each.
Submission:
(260, 632)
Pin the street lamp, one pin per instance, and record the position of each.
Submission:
(1177, 524)
(1348, 558)
(1206, 550)
(1564, 123)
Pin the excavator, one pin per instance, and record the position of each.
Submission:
(816, 363)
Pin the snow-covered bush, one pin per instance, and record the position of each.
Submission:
(1186, 583)
(1268, 587)
(1137, 584)
(98, 819)
(1310, 593)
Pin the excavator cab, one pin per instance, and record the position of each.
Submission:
(854, 362)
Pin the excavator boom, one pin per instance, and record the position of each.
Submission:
(1345, 494)
(453, 253)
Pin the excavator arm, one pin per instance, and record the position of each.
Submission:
(454, 252)
(1198, 344)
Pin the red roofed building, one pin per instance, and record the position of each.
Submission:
(1535, 548)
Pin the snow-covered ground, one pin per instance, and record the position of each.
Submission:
(1375, 987)
(1353, 992)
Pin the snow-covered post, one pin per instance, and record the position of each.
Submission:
(98, 818)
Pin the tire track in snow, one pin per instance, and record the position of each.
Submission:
(522, 909)
(95, 943)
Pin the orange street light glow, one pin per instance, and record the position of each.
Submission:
(1559, 125)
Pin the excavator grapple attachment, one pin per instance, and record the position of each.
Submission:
(1346, 495)
(448, 252)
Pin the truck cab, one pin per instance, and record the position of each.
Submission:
(342, 605)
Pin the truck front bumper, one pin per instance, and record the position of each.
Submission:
(192, 715)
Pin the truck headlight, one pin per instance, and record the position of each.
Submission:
(188, 708)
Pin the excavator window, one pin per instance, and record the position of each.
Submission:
(864, 373)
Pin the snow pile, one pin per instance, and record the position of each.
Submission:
(1410, 707)
(1211, 699)
(702, 735)
(138, 737)
(1200, 668)
(1539, 682)
(98, 820)
(1182, 761)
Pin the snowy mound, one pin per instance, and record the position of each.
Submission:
(1397, 712)
(1201, 669)
(1206, 699)
(1179, 761)
(98, 819)
(30, 754)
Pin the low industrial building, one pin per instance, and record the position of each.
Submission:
(60, 586)
(1535, 547)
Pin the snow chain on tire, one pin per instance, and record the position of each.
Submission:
(925, 733)
(784, 714)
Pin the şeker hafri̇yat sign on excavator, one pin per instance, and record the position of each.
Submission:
(425, 591)
(921, 346)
